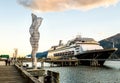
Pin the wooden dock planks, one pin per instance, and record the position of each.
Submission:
(9, 74)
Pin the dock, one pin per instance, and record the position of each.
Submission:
(15, 73)
(9, 74)
(62, 62)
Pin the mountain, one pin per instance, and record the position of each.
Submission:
(113, 41)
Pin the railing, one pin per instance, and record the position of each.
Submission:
(26, 75)
(30, 75)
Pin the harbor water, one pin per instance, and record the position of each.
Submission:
(87, 74)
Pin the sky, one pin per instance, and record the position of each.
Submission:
(62, 20)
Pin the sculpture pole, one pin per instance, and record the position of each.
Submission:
(15, 53)
(34, 39)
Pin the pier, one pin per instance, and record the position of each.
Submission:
(62, 62)
(15, 73)
(9, 74)
(67, 62)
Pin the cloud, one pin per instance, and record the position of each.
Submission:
(63, 5)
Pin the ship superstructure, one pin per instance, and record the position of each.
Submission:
(87, 50)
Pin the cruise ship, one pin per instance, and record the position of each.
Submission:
(86, 50)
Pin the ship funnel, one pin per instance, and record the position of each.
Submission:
(60, 42)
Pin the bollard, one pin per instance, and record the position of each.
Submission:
(52, 77)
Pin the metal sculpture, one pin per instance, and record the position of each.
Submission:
(34, 39)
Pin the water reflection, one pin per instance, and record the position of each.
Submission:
(85, 74)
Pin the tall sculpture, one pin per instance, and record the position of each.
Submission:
(15, 53)
(34, 39)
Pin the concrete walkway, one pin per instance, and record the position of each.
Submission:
(9, 74)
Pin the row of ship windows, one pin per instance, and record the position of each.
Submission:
(64, 53)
